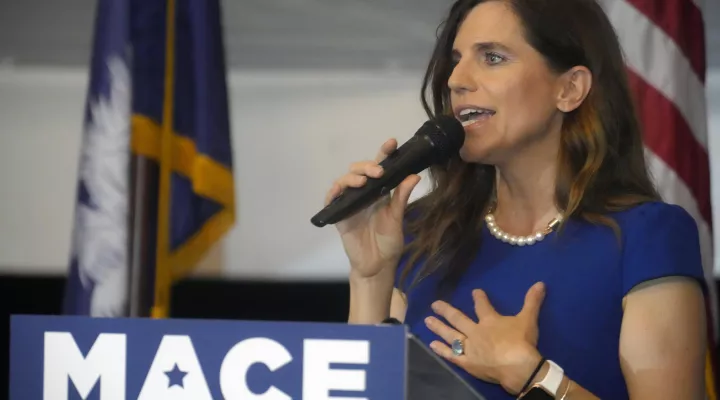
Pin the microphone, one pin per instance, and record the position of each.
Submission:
(434, 143)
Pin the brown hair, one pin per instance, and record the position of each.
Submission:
(601, 161)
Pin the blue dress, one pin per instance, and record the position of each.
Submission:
(586, 273)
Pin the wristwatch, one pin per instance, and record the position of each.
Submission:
(547, 388)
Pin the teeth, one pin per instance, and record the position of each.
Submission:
(468, 111)
(469, 116)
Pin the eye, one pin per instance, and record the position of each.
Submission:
(493, 58)
(454, 59)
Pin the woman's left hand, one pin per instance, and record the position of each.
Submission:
(498, 349)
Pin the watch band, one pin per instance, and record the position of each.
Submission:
(553, 378)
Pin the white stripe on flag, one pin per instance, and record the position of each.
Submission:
(656, 58)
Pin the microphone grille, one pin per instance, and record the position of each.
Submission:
(447, 135)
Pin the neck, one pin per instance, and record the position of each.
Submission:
(525, 193)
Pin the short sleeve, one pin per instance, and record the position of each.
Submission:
(660, 240)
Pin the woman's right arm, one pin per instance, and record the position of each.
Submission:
(373, 241)
(372, 300)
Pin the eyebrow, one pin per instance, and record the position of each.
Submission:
(486, 46)
(490, 46)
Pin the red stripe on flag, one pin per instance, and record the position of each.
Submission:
(669, 136)
(683, 22)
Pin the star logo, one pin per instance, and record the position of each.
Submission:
(175, 376)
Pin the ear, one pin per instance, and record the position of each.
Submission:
(574, 87)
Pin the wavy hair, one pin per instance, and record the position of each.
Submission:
(601, 161)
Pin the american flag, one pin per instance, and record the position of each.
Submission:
(664, 46)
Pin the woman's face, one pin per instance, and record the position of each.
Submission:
(501, 88)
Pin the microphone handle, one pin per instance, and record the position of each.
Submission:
(413, 157)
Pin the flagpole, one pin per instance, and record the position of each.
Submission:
(163, 274)
(162, 151)
(143, 197)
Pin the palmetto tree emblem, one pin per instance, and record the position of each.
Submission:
(100, 235)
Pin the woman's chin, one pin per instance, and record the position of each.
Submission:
(474, 155)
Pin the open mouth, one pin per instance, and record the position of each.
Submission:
(470, 116)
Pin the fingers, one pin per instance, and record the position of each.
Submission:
(386, 149)
(483, 307)
(357, 177)
(359, 171)
(368, 168)
(454, 316)
(447, 333)
(533, 301)
(446, 352)
(341, 184)
(400, 198)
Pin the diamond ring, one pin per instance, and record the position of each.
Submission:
(458, 347)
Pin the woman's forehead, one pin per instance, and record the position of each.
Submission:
(489, 22)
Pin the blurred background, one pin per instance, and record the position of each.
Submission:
(312, 84)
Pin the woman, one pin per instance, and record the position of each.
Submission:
(543, 251)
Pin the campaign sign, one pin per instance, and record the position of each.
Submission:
(72, 358)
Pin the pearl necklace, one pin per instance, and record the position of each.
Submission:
(520, 240)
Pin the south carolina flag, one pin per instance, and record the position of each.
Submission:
(157, 93)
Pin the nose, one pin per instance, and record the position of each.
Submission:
(461, 79)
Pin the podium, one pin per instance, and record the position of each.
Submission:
(68, 358)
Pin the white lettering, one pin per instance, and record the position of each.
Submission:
(237, 362)
(319, 379)
(175, 372)
(105, 362)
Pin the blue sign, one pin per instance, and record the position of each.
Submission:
(73, 357)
